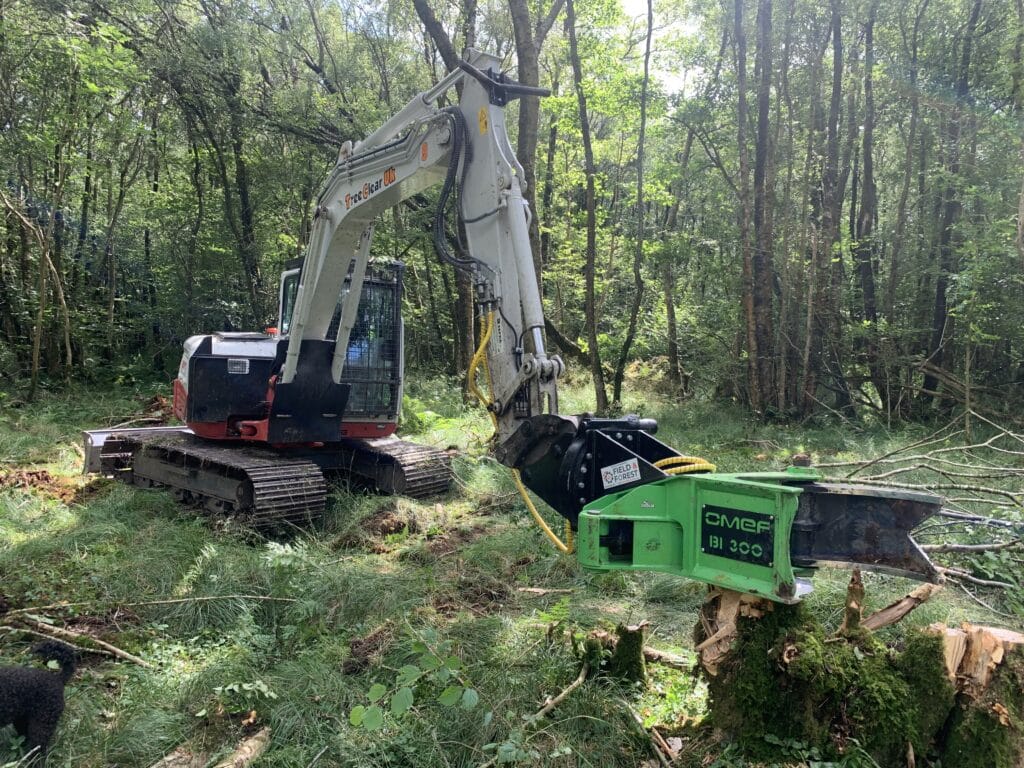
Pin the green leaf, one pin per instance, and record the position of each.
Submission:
(408, 674)
(470, 698)
(450, 695)
(373, 718)
(401, 701)
(376, 692)
(355, 717)
(453, 662)
(429, 662)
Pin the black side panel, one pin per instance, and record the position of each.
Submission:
(568, 470)
(216, 394)
(310, 408)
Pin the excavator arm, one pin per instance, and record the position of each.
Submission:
(637, 503)
(466, 149)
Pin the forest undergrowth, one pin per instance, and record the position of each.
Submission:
(307, 634)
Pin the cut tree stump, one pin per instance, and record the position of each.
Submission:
(954, 695)
(627, 660)
(719, 615)
(986, 727)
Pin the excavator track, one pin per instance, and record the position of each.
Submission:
(264, 487)
(396, 466)
(259, 486)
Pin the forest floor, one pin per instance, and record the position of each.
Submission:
(460, 600)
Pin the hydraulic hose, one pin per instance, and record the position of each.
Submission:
(478, 362)
(684, 465)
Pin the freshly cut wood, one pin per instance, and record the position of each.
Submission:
(973, 653)
(896, 611)
(664, 658)
(247, 750)
(854, 605)
(627, 659)
(721, 611)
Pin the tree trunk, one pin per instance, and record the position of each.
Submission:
(248, 248)
(942, 321)
(754, 393)
(638, 254)
(462, 316)
(528, 39)
(668, 280)
(828, 201)
(590, 268)
(762, 265)
(864, 250)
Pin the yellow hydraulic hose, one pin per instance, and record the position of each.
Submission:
(480, 361)
(684, 465)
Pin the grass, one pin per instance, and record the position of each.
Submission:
(350, 603)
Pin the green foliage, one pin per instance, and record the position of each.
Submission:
(435, 667)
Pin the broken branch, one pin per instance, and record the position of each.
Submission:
(895, 612)
(551, 703)
(78, 637)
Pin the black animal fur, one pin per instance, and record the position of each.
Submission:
(32, 700)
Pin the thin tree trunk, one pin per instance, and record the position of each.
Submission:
(247, 245)
(1018, 109)
(864, 250)
(192, 244)
(668, 280)
(529, 38)
(462, 315)
(828, 202)
(638, 255)
(762, 264)
(590, 268)
(942, 321)
(743, 189)
(549, 190)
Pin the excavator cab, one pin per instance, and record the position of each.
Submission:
(374, 362)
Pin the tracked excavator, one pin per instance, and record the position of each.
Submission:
(268, 417)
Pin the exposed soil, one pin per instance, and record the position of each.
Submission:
(70, 490)
(370, 531)
(104, 624)
(41, 480)
(364, 650)
(386, 522)
(455, 540)
(478, 594)
(92, 488)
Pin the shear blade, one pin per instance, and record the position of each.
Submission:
(862, 526)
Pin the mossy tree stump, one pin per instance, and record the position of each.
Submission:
(620, 655)
(955, 695)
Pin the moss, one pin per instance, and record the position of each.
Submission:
(977, 738)
(921, 665)
(627, 660)
(749, 691)
(833, 691)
